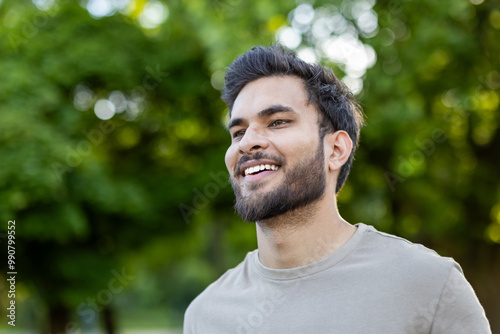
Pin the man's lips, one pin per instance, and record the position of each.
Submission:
(258, 176)
(258, 166)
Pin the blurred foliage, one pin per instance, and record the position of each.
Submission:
(146, 191)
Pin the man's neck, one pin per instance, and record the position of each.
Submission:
(302, 236)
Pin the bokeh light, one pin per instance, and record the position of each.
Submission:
(104, 109)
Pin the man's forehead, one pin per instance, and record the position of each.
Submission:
(266, 92)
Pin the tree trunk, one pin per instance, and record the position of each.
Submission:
(109, 320)
(59, 317)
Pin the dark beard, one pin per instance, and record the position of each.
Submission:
(302, 185)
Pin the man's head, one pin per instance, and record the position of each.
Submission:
(281, 109)
(334, 101)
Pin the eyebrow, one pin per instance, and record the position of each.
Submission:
(278, 108)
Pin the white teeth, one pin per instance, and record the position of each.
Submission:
(258, 168)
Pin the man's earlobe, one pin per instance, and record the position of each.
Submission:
(340, 147)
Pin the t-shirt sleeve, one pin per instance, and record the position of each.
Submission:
(458, 310)
(196, 317)
(188, 326)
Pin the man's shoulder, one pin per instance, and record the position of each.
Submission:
(400, 252)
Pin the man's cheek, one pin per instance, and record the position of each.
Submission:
(230, 160)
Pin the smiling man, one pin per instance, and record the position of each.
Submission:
(294, 129)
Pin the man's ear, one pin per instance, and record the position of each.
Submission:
(339, 147)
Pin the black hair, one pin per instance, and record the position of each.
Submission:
(337, 105)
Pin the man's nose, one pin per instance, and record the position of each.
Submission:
(253, 141)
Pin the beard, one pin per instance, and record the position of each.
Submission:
(302, 184)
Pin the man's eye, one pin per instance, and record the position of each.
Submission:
(238, 133)
(278, 122)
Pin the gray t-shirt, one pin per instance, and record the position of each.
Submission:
(374, 283)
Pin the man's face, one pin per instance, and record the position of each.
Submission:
(276, 160)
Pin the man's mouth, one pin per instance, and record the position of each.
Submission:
(260, 168)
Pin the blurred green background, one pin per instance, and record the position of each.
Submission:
(112, 144)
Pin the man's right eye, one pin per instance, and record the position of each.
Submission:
(239, 133)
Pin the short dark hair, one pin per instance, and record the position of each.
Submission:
(339, 109)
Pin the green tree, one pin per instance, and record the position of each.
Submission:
(144, 196)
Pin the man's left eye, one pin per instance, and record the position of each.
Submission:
(278, 122)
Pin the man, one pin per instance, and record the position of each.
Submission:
(294, 129)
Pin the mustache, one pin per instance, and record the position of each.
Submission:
(258, 156)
